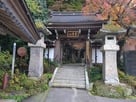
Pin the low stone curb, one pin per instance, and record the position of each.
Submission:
(45, 95)
(37, 98)
(52, 79)
(86, 79)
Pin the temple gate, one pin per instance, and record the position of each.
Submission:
(73, 34)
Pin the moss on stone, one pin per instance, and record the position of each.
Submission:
(39, 24)
(112, 26)
(112, 91)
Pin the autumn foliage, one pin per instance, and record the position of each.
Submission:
(123, 12)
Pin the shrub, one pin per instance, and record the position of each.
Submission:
(22, 63)
(95, 73)
(127, 90)
(119, 91)
(49, 66)
(20, 86)
(5, 63)
(127, 79)
(5, 60)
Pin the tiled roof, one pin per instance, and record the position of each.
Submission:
(70, 17)
(15, 18)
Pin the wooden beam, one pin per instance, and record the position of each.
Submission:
(12, 26)
(79, 31)
(88, 36)
(65, 31)
(99, 22)
(23, 17)
(17, 10)
(57, 35)
(73, 27)
(83, 37)
(57, 52)
(14, 29)
(2, 30)
(16, 14)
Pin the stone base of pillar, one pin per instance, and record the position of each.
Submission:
(112, 81)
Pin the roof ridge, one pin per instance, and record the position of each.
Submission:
(70, 13)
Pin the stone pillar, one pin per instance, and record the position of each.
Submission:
(110, 48)
(36, 58)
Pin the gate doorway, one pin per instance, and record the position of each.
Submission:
(72, 33)
(73, 52)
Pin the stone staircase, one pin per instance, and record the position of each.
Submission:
(69, 76)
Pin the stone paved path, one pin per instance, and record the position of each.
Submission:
(70, 95)
(77, 95)
(72, 75)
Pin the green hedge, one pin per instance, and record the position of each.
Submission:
(95, 73)
(20, 86)
(112, 91)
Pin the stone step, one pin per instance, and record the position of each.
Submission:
(69, 75)
(74, 72)
(71, 68)
(69, 78)
(65, 71)
(68, 69)
(71, 71)
(70, 81)
(82, 86)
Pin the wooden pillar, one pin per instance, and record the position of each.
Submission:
(88, 54)
(95, 54)
(57, 52)
(61, 53)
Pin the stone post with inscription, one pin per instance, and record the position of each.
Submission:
(109, 32)
(36, 58)
(110, 48)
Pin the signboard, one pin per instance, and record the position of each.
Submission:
(73, 34)
(22, 51)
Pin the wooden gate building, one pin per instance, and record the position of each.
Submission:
(73, 34)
